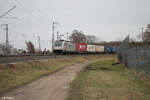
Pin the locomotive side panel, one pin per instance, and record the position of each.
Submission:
(69, 47)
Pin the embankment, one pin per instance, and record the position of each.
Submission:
(20, 73)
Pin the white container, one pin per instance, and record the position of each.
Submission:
(100, 49)
(90, 48)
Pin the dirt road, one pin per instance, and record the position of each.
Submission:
(51, 87)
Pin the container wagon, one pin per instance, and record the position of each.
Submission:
(99, 49)
(81, 48)
(91, 48)
(107, 49)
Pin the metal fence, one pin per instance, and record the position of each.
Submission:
(137, 58)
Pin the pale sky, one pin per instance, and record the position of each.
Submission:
(108, 19)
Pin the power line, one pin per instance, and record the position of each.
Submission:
(32, 15)
(40, 13)
(38, 10)
(8, 11)
(10, 17)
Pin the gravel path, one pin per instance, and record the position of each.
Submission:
(52, 87)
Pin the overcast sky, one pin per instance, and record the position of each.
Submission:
(108, 19)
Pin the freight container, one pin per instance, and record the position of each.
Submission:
(91, 48)
(81, 47)
(100, 49)
(107, 49)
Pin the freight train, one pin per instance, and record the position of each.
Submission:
(69, 47)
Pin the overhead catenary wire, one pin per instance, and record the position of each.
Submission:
(10, 17)
(24, 8)
(40, 13)
(35, 16)
(8, 11)
(28, 11)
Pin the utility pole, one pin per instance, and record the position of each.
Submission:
(7, 39)
(39, 43)
(142, 33)
(53, 35)
(57, 35)
(6, 28)
(67, 36)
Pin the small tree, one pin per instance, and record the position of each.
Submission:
(30, 47)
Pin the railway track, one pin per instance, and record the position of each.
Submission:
(20, 58)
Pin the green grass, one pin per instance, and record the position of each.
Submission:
(102, 81)
(14, 75)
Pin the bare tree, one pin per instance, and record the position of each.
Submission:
(30, 47)
(77, 36)
(92, 39)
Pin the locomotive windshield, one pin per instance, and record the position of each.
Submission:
(58, 43)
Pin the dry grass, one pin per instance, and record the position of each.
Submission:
(102, 81)
(13, 75)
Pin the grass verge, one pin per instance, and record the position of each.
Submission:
(21, 73)
(102, 81)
